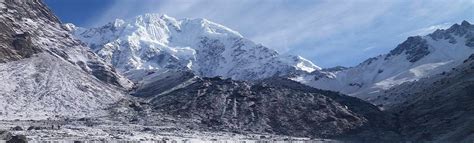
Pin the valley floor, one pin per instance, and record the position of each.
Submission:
(107, 130)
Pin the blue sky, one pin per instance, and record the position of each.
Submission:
(328, 32)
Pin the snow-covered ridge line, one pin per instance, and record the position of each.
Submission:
(417, 57)
(156, 41)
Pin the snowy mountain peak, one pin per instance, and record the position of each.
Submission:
(302, 63)
(461, 30)
(465, 23)
(118, 23)
(455, 33)
(415, 58)
(160, 42)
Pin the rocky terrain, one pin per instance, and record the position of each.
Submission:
(156, 78)
(276, 105)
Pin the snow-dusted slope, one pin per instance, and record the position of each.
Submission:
(153, 41)
(46, 86)
(438, 108)
(44, 72)
(417, 57)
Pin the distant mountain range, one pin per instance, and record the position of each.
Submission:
(155, 71)
(157, 42)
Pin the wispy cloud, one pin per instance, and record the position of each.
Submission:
(428, 30)
(328, 32)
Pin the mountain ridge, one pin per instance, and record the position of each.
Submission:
(207, 48)
(415, 58)
(194, 75)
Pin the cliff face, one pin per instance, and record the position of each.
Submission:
(15, 39)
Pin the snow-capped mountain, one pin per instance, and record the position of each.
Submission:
(156, 42)
(415, 58)
(140, 46)
(44, 72)
(51, 78)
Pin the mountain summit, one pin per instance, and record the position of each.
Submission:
(158, 42)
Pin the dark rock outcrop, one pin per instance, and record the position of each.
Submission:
(17, 128)
(153, 85)
(335, 69)
(414, 47)
(10, 138)
(274, 105)
(15, 46)
(5, 135)
(463, 30)
(18, 139)
(104, 73)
